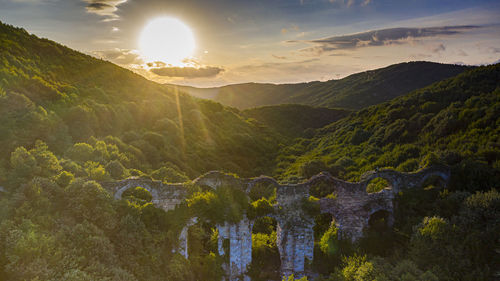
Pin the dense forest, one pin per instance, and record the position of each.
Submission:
(69, 122)
(439, 234)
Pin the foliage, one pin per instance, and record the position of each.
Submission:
(295, 120)
(265, 257)
(86, 109)
(223, 204)
(329, 241)
(262, 190)
(377, 185)
(408, 133)
(70, 122)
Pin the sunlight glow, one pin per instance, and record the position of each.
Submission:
(167, 40)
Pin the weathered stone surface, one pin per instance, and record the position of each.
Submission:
(165, 196)
(183, 238)
(239, 253)
(351, 208)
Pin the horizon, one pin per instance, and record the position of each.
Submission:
(275, 42)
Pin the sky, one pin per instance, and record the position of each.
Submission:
(269, 41)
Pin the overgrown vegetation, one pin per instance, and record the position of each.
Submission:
(69, 121)
(114, 123)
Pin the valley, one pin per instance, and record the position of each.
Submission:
(388, 174)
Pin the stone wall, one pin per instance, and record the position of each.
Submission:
(351, 207)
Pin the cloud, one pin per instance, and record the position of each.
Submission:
(350, 3)
(494, 50)
(120, 56)
(381, 37)
(279, 57)
(187, 72)
(439, 48)
(290, 67)
(292, 28)
(105, 8)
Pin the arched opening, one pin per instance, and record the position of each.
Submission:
(418, 203)
(262, 189)
(380, 221)
(378, 236)
(433, 181)
(266, 262)
(137, 195)
(323, 189)
(377, 185)
(329, 247)
(202, 251)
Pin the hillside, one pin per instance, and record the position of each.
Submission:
(295, 120)
(355, 92)
(452, 122)
(440, 232)
(71, 124)
(51, 93)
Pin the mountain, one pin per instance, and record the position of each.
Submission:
(354, 92)
(295, 120)
(70, 122)
(51, 93)
(453, 122)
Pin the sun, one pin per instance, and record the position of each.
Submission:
(166, 39)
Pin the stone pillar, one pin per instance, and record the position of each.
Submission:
(183, 238)
(183, 242)
(240, 248)
(296, 245)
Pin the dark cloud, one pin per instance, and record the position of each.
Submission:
(439, 48)
(98, 6)
(120, 56)
(187, 72)
(106, 8)
(494, 50)
(380, 37)
(156, 64)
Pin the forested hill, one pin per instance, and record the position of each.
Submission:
(353, 92)
(69, 122)
(455, 121)
(439, 232)
(51, 93)
(295, 120)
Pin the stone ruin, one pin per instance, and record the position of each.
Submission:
(351, 207)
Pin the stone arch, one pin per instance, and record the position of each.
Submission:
(379, 213)
(198, 237)
(262, 180)
(183, 238)
(378, 233)
(154, 193)
(372, 184)
(268, 187)
(323, 186)
(438, 174)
